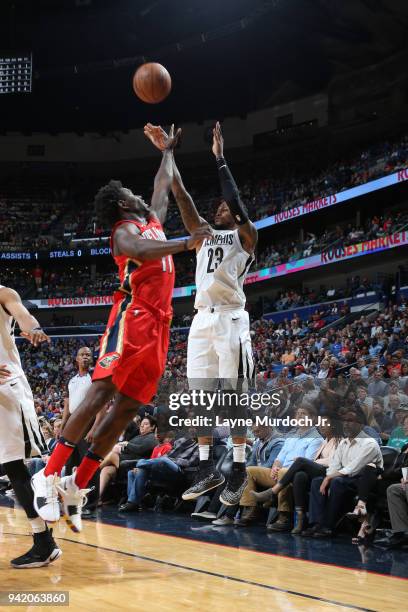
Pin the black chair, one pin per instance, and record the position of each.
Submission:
(389, 455)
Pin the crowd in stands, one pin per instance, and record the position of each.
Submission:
(80, 281)
(39, 222)
(341, 235)
(274, 194)
(27, 224)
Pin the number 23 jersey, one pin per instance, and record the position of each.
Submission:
(222, 266)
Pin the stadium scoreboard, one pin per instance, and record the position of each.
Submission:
(16, 72)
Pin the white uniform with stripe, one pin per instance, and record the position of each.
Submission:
(219, 343)
(20, 433)
(77, 389)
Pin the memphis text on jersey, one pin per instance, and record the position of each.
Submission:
(220, 239)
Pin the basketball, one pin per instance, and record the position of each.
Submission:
(152, 83)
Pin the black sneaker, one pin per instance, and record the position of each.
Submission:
(130, 507)
(207, 478)
(236, 484)
(44, 551)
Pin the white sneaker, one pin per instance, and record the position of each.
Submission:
(208, 516)
(73, 499)
(46, 501)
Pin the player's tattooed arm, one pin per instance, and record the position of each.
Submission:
(188, 211)
(164, 176)
(185, 203)
(127, 241)
(29, 326)
(247, 230)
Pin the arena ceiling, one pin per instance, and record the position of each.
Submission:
(226, 56)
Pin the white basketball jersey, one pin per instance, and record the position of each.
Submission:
(9, 355)
(222, 265)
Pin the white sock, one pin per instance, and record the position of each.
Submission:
(204, 451)
(37, 525)
(238, 453)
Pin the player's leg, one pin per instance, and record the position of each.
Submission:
(233, 345)
(45, 549)
(73, 488)
(20, 437)
(202, 374)
(45, 481)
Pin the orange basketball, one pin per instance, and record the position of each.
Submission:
(152, 83)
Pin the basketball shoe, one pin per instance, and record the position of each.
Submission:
(73, 499)
(46, 501)
(235, 486)
(207, 478)
(45, 550)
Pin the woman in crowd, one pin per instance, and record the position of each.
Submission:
(302, 472)
(324, 369)
(138, 447)
(399, 435)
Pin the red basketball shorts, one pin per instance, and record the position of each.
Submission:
(133, 349)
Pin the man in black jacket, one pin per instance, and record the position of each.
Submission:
(170, 468)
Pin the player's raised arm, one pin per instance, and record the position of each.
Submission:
(164, 176)
(188, 210)
(29, 326)
(247, 230)
(129, 243)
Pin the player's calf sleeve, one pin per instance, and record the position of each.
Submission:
(87, 468)
(59, 456)
(239, 453)
(20, 481)
(206, 454)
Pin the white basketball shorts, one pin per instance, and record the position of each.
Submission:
(20, 434)
(219, 347)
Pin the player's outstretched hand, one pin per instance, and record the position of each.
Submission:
(160, 138)
(198, 236)
(36, 336)
(218, 141)
(4, 373)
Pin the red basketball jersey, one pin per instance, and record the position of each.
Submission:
(149, 281)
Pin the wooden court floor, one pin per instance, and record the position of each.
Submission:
(115, 568)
